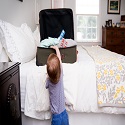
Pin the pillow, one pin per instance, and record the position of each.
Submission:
(36, 35)
(3, 56)
(0, 46)
(20, 47)
(27, 30)
(33, 35)
(1, 37)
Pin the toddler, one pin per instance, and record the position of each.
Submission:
(56, 90)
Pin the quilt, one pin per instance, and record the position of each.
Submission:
(110, 76)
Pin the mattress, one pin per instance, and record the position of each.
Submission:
(79, 88)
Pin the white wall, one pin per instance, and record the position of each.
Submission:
(17, 12)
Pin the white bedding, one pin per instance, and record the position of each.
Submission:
(79, 87)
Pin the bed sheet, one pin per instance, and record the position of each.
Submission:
(79, 88)
(24, 69)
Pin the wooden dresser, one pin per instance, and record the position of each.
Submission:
(10, 107)
(114, 39)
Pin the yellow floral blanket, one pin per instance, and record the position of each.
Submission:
(110, 76)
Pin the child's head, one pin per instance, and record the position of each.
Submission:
(53, 68)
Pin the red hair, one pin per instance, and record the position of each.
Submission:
(53, 68)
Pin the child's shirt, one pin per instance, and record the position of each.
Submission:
(56, 95)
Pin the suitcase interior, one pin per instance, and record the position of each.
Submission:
(53, 21)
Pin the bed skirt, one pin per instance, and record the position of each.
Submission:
(82, 118)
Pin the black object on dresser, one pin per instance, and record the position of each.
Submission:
(10, 106)
(122, 17)
(113, 39)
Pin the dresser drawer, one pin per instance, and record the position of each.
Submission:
(110, 33)
(122, 41)
(116, 41)
(121, 33)
(112, 41)
(113, 38)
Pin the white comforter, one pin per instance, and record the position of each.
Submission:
(79, 87)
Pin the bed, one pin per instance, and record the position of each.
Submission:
(88, 99)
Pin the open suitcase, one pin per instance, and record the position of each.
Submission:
(52, 22)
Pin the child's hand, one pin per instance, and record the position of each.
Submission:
(57, 52)
(54, 47)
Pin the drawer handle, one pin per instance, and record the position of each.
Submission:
(122, 41)
(122, 33)
(111, 33)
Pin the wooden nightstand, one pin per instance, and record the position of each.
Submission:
(113, 39)
(10, 106)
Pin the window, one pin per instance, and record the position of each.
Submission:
(87, 13)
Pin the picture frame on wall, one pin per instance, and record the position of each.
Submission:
(113, 6)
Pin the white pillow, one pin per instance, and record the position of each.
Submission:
(33, 35)
(36, 35)
(0, 46)
(3, 56)
(18, 45)
(1, 35)
(27, 30)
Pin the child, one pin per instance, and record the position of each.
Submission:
(56, 91)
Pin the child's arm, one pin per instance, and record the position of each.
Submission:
(57, 52)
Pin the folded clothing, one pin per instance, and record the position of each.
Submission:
(49, 42)
(67, 43)
(60, 43)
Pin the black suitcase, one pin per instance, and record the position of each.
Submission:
(52, 22)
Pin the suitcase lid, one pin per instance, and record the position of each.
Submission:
(53, 21)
